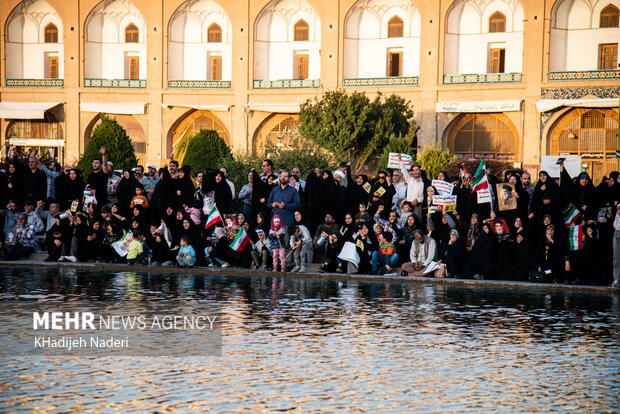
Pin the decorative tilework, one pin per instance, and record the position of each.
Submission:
(584, 75)
(287, 83)
(199, 84)
(33, 83)
(577, 93)
(482, 78)
(115, 83)
(391, 81)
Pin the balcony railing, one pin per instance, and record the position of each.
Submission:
(584, 75)
(114, 83)
(287, 83)
(35, 83)
(482, 78)
(199, 84)
(391, 81)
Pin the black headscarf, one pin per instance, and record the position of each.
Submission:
(125, 191)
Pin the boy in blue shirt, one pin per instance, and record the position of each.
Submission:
(187, 255)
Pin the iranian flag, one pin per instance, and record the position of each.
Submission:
(480, 178)
(571, 215)
(240, 241)
(575, 237)
(213, 218)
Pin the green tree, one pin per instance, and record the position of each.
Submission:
(351, 126)
(114, 138)
(434, 159)
(207, 150)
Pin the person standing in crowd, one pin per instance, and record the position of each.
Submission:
(400, 190)
(98, 179)
(416, 187)
(35, 182)
(284, 200)
(267, 168)
(150, 180)
(526, 181)
(297, 173)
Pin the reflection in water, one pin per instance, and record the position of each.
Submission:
(322, 345)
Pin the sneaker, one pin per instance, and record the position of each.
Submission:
(615, 284)
(339, 269)
(226, 264)
(295, 269)
(404, 273)
(61, 259)
(155, 263)
(478, 276)
(302, 269)
(212, 264)
(321, 269)
(167, 263)
(72, 259)
(263, 267)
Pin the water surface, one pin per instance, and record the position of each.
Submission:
(325, 346)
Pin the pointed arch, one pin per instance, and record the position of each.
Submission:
(214, 33)
(132, 34)
(395, 27)
(497, 22)
(609, 16)
(301, 30)
(51, 33)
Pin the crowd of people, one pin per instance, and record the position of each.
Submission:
(344, 222)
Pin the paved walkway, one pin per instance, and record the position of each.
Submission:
(312, 273)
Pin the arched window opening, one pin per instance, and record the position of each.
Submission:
(51, 33)
(497, 23)
(301, 31)
(214, 34)
(395, 27)
(483, 136)
(609, 16)
(131, 34)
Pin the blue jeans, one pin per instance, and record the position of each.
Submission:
(381, 260)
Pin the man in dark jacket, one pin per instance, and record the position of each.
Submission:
(35, 182)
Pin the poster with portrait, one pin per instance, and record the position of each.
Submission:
(506, 196)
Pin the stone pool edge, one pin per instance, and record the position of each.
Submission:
(315, 275)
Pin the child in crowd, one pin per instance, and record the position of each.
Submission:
(386, 258)
(187, 255)
(301, 244)
(260, 250)
(140, 199)
(278, 246)
(405, 212)
(135, 249)
(363, 217)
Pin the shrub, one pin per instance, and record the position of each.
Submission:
(434, 159)
(207, 150)
(114, 138)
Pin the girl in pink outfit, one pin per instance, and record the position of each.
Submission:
(194, 212)
(278, 247)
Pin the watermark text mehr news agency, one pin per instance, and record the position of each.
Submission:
(90, 321)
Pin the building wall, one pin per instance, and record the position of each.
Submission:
(428, 54)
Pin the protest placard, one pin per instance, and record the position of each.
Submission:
(393, 160)
(506, 196)
(484, 195)
(572, 163)
(443, 187)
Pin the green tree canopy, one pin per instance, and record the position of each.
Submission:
(114, 138)
(352, 126)
(207, 150)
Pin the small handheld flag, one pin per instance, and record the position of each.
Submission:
(576, 237)
(321, 238)
(213, 218)
(480, 178)
(240, 241)
(571, 215)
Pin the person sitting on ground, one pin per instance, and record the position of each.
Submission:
(19, 241)
(135, 249)
(423, 251)
(187, 255)
(386, 258)
(331, 255)
(301, 244)
(260, 250)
